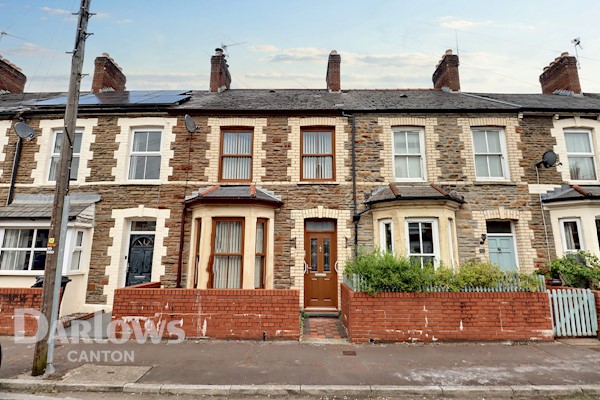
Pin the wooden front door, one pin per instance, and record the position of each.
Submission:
(320, 265)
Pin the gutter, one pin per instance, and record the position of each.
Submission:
(15, 170)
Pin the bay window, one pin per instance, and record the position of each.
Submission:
(23, 249)
(227, 253)
(422, 244)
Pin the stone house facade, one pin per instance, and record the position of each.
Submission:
(277, 189)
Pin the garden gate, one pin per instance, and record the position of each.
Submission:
(573, 312)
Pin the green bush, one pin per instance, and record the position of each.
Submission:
(389, 273)
(579, 270)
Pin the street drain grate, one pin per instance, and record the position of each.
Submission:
(349, 352)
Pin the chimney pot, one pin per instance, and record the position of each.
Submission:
(446, 72)
(108, 76)
(333, 78)
(561, 75)
(12, 80)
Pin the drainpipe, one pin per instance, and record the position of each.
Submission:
(181, 233)
(15, 169)
(355, 215)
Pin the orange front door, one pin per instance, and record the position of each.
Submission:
(320, 268)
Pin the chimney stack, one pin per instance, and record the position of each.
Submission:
(561, 75)
(12, 80)
(108, 76)
(446, 73)
(220, 78)
(333, 72)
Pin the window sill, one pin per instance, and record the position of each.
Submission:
(140, 182)
(31, 274)
(575, 182)
(330, 183)
(74, 273)
(499, 183)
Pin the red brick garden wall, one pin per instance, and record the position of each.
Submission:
(13, 298)
(427, 317)
(214, 313)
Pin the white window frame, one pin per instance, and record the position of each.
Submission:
(31, 250)
(503, 154)
(404, 129)
(451, 242)
(382, 232)
(591, 154)
(55, 133)
(69, 241)
(145, 153)
(436, 239)
(563, 236)
(77, 249)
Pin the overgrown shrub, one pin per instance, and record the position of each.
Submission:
(579, 270)
(389, 273)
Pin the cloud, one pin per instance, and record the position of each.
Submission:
(302, 54)
(55, 11)
(31, 49)
(450, 22)
(101, 15)
(281, 76)
(263, 48)
(124, 21)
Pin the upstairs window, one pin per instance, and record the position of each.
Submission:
(490, 154)
(236, 156)
(580, 153)
(145, 155)
(317, 155)
(24, 249)
(55, 156)
(409, 154)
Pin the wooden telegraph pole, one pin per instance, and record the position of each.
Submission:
(40, 357)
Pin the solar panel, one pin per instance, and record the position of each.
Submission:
(123, 98)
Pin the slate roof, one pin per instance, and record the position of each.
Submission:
(233, 194)
(40, 206)
(302, 100)
(393, 192)
(572, 192)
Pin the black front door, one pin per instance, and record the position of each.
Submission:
(141, 250)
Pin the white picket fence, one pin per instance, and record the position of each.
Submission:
(573, 312)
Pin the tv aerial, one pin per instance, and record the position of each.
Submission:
(577, 42)
(226, 46)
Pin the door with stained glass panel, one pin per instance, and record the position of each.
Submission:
(320, 265)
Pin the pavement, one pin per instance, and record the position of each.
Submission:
(317, 368)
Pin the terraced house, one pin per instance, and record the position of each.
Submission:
(279, 188)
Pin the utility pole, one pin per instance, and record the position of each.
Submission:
(40, 356)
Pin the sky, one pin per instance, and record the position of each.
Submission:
(503, 45)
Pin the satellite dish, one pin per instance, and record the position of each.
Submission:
(24, 131)
(190, 125)
(549, 159)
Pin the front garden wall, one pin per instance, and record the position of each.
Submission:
(429, 317)
(214, 313)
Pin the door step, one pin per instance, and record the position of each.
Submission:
(321, 312)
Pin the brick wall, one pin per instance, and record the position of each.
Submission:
(14, 298)
(427, 317)
(215, 313)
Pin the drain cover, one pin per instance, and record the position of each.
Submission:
(349, 352)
